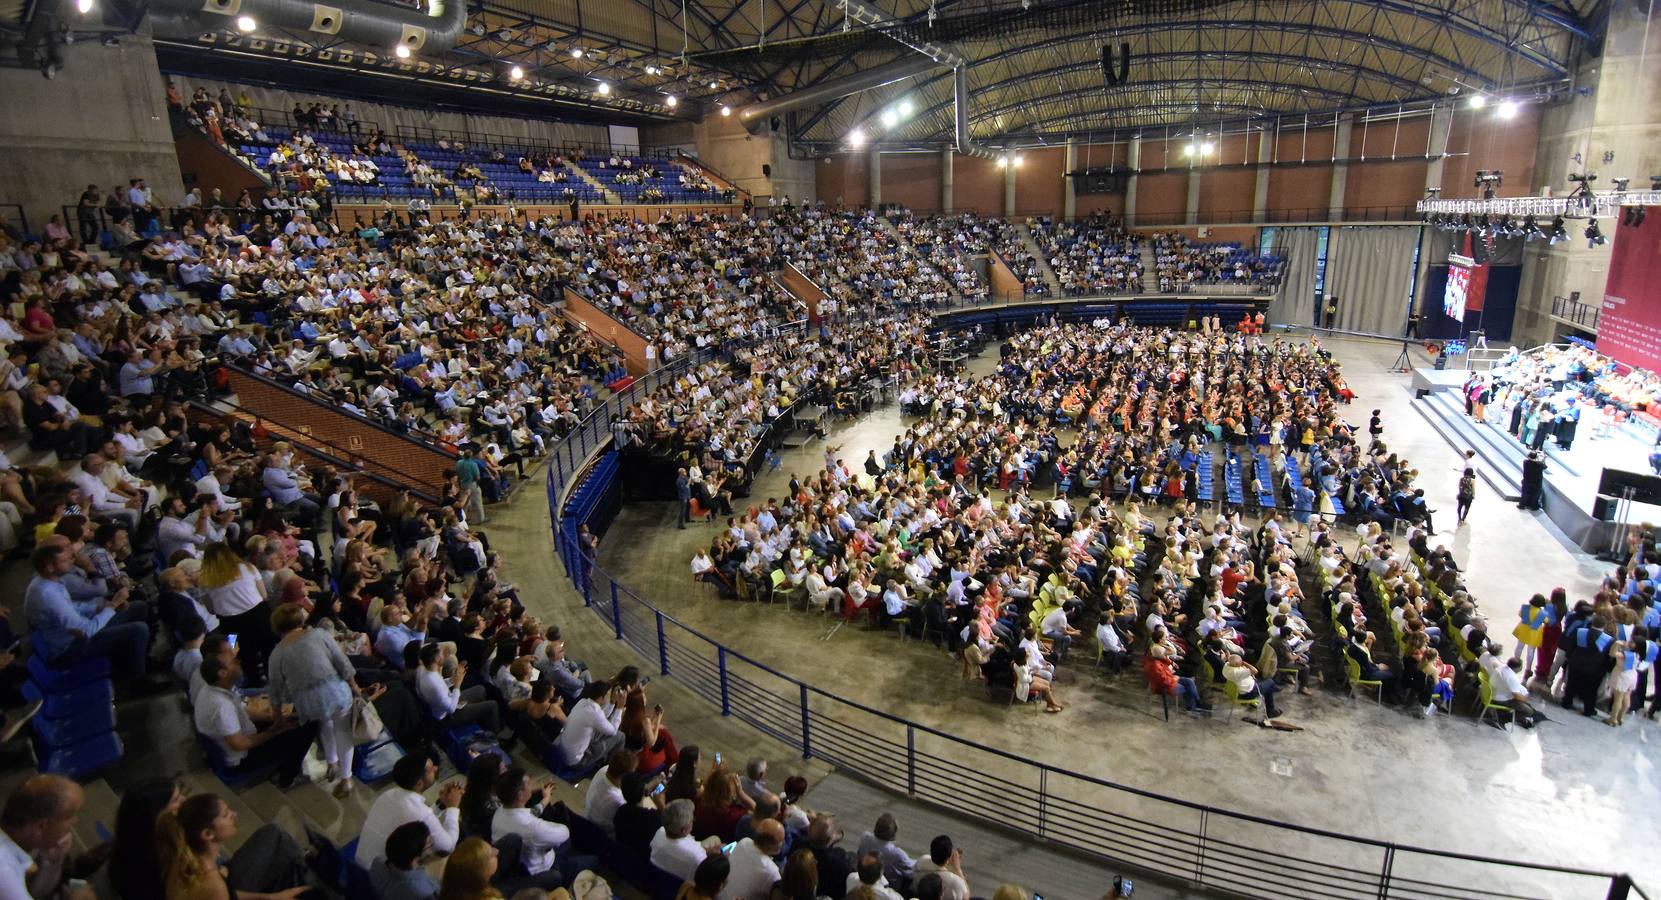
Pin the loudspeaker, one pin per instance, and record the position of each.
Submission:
(1603, 508)
(1645, 488)
(1116, 72)
(766, 170)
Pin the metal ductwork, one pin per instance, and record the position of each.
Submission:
(960, 112)
(756, 115)
(378, 26)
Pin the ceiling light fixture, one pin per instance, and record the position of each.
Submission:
(890, 119)
(726, 110)
(401, 51)
(855, 137)
(604, 89)
(906, 107)
(246, 24)
(671, 100)
(576, 53)
(1478, 101)
(1508, 109)
(516, 73)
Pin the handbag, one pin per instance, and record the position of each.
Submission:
(366, 722)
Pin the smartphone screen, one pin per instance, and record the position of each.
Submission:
(659, 789)
(717, 753)
(727, 848)
(231, 639)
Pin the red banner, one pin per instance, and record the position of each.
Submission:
(1629, 325)
(1478, 286)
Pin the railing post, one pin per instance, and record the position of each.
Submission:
(1199, 852)
(726, 694)
(662, 647)
(1043, 797)
(807, 743)
(1620, 887)
(910, 761)
(616, 612)
(1384, 873)
(582, 572)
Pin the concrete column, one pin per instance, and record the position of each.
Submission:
(1133, 162)
(874, 165)
(1069, 197)
(946, 180)
(1260, 192)
(1441, 122)
(1192, 209)
(1340, 171)
(1009, 188)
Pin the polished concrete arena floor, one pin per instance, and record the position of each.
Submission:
(1572, 792)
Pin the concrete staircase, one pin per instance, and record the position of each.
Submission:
(1044, 270)
(893, 231)
(1149, 260)
(591, 181)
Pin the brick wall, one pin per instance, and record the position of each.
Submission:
(402, 459)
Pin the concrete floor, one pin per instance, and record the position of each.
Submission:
(1357, 768)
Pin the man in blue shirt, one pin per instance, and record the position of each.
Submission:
(285, 490)
(68, 631)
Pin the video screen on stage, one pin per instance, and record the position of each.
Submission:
(1459, 286)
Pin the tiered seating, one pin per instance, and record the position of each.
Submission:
(1180, 262)
(1265, 480)
(631, 178)
(1093, 257)
(1204, 478)
(75, 728)
(1233, 487)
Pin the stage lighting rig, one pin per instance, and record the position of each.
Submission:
(1594, 236)
(1488, 181)
(1584, 184)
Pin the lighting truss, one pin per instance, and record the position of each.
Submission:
(1601, 203)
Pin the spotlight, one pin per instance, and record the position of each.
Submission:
(1558, 233)
(1478, 101)
(715, 85)
(1530, 229)
(726, 110)
(651, 70)
(1638, 216)
(1189, 150)
(1207, 147)
(855, 137)
(890, 119)
(604, 89)
(671, 100)
(516, 73)
(1017, 159)
(401, 51)
(83, 6)
(1594, 237)
(905, 107)
(244, 24)
(576, 53)
(1003, 162)
(1508, 109)
(1488, 181)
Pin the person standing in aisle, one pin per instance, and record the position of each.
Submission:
(1467, 493)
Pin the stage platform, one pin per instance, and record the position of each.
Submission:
(1572, 475)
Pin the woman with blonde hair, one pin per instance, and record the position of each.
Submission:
(233, 589)
(189, 841)
(309, 670)
(718, 809)
(468, 871)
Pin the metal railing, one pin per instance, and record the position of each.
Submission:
(14, 214)
(1215, 849)
(1296, 215)
(1581, 315)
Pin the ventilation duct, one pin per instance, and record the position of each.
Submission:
(960, 111)
(367, 22)
(756, 115)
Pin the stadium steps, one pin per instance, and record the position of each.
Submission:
(1501, 455)
(1031, 243)
(1149, 260)
(591, 181)
(894, 232)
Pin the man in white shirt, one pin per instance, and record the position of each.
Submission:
(413, 776)
(605, 792)
(1510, 690)
(522, 813)
(39, 818)
(869, 873)
(673, 849)
(102, 501)
(223, 717)
(174, 533)
(753, 870)
(945, 861)
(590, 730)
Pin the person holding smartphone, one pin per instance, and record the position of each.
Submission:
(641, 814)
